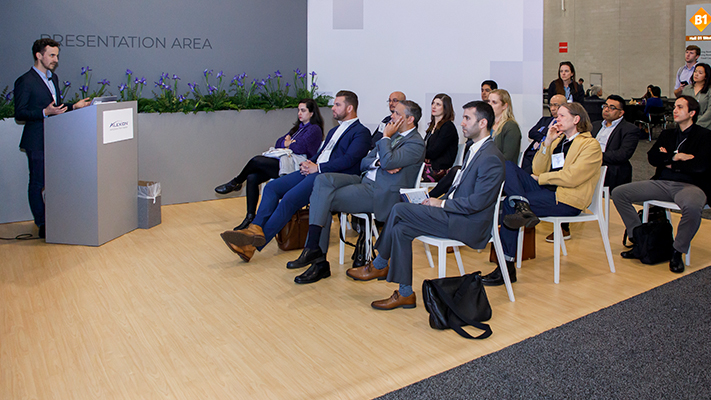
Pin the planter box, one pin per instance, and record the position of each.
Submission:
(189, 154)
(14, 174)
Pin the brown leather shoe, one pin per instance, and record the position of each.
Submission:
(566, 236)
(245, 252)
(395, 301)
(368, 272)
(253, 235)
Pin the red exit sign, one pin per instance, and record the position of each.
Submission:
(562, 47)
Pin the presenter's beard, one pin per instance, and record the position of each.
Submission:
(52, 66)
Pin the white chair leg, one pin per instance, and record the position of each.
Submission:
(687, 257)
(442, 254)
(519, 248)
(645, 214)
(458, 257)
(368, 239)
(606, 193)
(606, 243)
(562, 244)
(504, 270)
(342, 244)
(429, 254)
(557, 238)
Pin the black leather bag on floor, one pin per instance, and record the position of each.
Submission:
(457, 301)
(654, 242)
(655, 214)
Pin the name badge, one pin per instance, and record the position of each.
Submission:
(381, 127)
(557, 160)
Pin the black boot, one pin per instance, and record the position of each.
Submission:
(247, 220)
(228, 187)
(522, 217)
(317, 272)
(676, 265)
(496, 279)
(307, 257)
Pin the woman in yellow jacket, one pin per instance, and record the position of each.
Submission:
(566, 169)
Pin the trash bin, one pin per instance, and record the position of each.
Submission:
(148, 204)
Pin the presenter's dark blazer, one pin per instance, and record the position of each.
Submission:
(471, 210)
(350, 149)
(31, 97)
(620, 147)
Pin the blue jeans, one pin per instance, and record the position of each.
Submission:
(542, 201)
(281, 198)
(35, 159)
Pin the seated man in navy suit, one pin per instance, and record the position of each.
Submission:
(344, 148)
(393, 164)
(37, 97)
(465, 213)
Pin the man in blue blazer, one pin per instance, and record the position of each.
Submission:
(465, 213)
(344, 148)
(37, 97)
(393, 164)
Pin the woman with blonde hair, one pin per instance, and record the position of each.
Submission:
(506, 132)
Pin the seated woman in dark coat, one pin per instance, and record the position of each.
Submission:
(441, 139)
(304, 138)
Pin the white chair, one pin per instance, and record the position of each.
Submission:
(668, 205)
(370, 229)
(597, 213)
(442, 245)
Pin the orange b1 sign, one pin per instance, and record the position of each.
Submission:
(700, 20)
(562, 47)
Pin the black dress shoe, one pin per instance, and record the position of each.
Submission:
(307, 257)
(315, 273)
(247, 220)
(629, 254)
(676, 264)
(522, 217)
(228, 187)
(496, 279)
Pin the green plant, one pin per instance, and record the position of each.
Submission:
(7, 104)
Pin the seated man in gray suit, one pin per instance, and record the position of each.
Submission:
(394, 163)
(465, 213)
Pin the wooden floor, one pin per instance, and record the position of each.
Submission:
(171, 313)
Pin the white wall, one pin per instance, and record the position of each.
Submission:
(422, 47)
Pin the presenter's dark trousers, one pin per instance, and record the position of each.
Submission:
(35, 160)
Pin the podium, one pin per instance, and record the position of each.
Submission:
(91, 174)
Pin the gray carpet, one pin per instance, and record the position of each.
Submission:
(656, 345)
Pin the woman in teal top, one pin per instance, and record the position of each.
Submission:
(506, 132)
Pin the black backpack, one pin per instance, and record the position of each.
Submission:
(653, 242)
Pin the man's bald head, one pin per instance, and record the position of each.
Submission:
(555, 103)
(395, 97)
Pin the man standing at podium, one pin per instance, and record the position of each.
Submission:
(37, 97)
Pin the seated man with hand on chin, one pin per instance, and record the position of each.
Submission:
(465, 213)
(394, 163)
